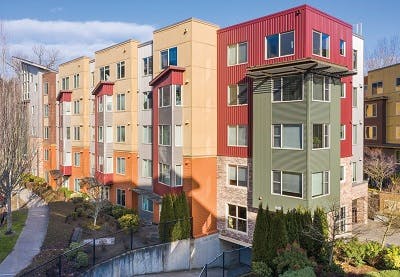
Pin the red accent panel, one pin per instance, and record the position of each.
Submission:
(103, 88)
(346, 114)
(103, 177)
(66, 170)
(171, 75)
(64, 96)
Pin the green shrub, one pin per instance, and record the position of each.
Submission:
(80, 211)
(261, 269)
(372, 253)
(351, 251)
(129, 221)
(118, 211)
(384, 273)
(260, 236)
(82, 259)
(65, 192)
(320, 231)
(304, 272)
(292, 257)
(77, 200)
(72, 250)
(391, 257)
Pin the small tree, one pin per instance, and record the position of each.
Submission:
(166, 217)
(320, 226)
(278, 238)
(378, 166)
(94, 190)
(387, 52)
(260, 236)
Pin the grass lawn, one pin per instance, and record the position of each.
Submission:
(7, 242)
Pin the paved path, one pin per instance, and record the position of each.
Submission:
(374, 231)
(31, 238)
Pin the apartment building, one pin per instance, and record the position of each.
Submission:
(282, 80)
(382, 111)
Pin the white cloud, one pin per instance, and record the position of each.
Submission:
(72, 38)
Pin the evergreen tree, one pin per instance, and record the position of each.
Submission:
(292, 226)
(320, 234)
(305, 223)
(278, 236)
(176, 230)
(186, 227)
(166, 216)
(260, 236)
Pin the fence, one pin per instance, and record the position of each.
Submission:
(92, 251)
(229, 263)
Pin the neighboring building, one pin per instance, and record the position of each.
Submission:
(279, 97)
(382, 111)
(32, 94)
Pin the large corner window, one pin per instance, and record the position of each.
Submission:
(237, 53)
(370, 132)
(287, 183)
(320, 183)
(321, 43)
(169, 57)
(320, 136)
(279, 45)
(164, 133)
(237, 94)
(164, 96)
(237, 135)
(288, 136)
(164, 174)
(237, 218)
(321, 88)
(286, 89)
(237, 175)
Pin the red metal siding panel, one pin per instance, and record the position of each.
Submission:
(346, 110)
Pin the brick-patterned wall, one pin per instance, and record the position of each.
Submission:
(233, 195)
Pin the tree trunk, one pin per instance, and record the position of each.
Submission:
(9, 214)
(385, 234)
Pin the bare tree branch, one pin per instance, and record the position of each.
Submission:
(386, 53)
(378, 166)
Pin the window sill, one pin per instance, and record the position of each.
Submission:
(230, 65)
(289, 101)
(295, 197)
(284, 56)
(281, 148)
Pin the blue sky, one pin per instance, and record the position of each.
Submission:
(100, 23)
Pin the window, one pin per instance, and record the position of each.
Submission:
(370, 132)
(237, 53)
(67, 161)
(354, 170)
(178, 135)
(46, 88)
(77, 184)
(237, 135)
(164, 96)
(109, 103)
(46, 110)
(320, 136)
(120, 70)
(164, 174)
(77, 133)
(354, 138)
(104, 73)
(100, 133)
(287, 88)
(321, 88)
(77, 159)
(76, 107)
(178, 175)
(147, 204)
(109, 134)
(321, 44)
(120, 133)
(65, 83)
(100, 162)
(169, 57)
(342, 220)
(287, 136)
(66, 183)
(147, 168)
(320, 183)
(68, 132)
(46, 154)
(121, 197)
(342, 173)
(370, 110)
(342, 47)
(148, 66)
(354, 97)
(109, 165)
(287, 183)
(121, 102)
(147, 100)
(120, 165)
(377, 88)
(237, 218)
(355, 59)
(46, 132)
(342, 132)
(279, 45)
(76, 81)
(105, 191)
(147, 134)
(343, 91)
(100, 104)
(237, 94)
(164, 132)
(397, 82)
(237, 175)
(178, 95)
(397, 156)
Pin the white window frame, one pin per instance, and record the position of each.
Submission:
(122, 193)
(46, 132)
(145, 203)
(161, 179)
(77, 159)
(77, 186)
(120, 105)
(178, 175)
(148, 66)
(76, 80)
(343, 91)
(237, 218)
(281, 91)
(238, 86)
(100, 134)
(236, 47)
(281, 175)
(161, 135)
(342, 131)
(109, 134)
(354, 100)
(46, 154)
(149, 164)
(120, 68)
(120, 165)
(161, 92)
(236, 167)
(354, 171)
(178, 104)
(121, 134)
(325, 128)
(46, 110)
(77, 133)
(324, 89)
(103, 70)
(354, 139)
(279, 45)
(320, 44)
(326, 178)
(178, 135)
(344, 48)
(281, 136)
(374, 109)
(344, 173)
(147, 101)
(168, 57)
(237, 136)
(147, 134)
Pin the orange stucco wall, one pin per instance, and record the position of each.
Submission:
(200, 186)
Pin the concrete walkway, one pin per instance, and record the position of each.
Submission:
(374, 231)
(31, 238)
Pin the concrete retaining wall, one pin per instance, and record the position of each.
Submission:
(179, 255)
